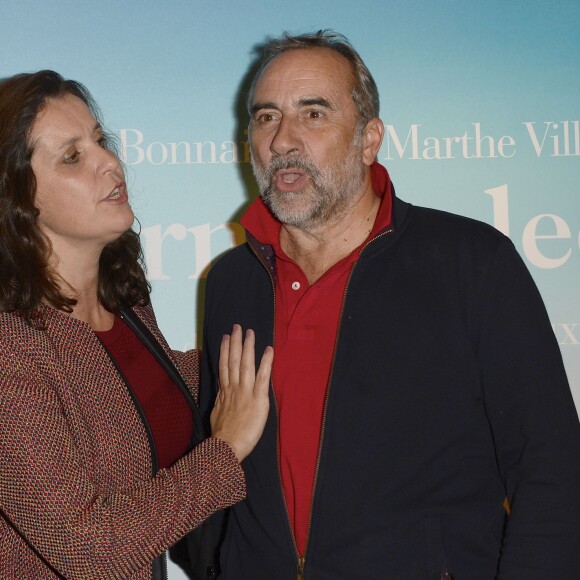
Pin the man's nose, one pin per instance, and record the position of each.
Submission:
(287, 138)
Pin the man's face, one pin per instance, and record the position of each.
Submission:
(307, 150)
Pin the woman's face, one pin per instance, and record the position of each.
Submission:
(80, 185)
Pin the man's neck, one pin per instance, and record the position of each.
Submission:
(316, 250)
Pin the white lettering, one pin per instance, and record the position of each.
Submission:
(186, 147)
(565, 143)
(203, 253)
(154, 248)
(229, 152)
(135, 150)
(394, 138)
(538, 147)
(431, 144)
(125, 146)
(154, 239)
(212, 149)
(161, 147)
(530, 237)
(476, 146)
(568, 337)
(479, 140)
(502, 145)
(501, 218)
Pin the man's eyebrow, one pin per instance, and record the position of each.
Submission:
(318, 101)
(306, 102)
(259, 106)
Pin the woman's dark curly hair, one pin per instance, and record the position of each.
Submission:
(26, 279)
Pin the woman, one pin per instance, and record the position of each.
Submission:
(102, 462)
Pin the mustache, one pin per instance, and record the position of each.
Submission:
(278, 163)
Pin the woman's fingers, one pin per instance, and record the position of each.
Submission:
(235, 354)
(247, 368)
(230, 357)
(224, 362)
(241, 409)
(262, 383)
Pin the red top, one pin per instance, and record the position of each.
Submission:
(306, 325)
(166, 410)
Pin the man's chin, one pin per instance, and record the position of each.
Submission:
(274, 192)
(288, 216)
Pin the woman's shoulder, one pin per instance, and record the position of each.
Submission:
(16, 331)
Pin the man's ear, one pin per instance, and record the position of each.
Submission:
(372, 139)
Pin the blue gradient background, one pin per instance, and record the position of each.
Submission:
(173, 71)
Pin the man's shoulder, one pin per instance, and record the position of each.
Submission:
(436, 224)
(237, 256)
(234, 263)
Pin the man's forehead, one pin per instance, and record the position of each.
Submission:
(321, 70)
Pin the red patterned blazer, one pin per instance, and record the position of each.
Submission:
(77, 495)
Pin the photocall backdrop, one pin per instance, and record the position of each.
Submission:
(481, 103)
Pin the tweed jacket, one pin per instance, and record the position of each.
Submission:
(77, 495)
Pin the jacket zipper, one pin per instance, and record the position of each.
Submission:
(149, 341)
(301, 562)
(153, 450)
(301, 559)
(386, 232)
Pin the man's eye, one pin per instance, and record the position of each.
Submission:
(265, 118)
(314, 114)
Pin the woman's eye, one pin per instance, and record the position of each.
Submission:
(72, 157)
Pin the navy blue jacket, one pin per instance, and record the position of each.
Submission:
(447, 394)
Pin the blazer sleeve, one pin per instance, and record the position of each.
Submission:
(47, 495)
(188, 366)
(534, 423)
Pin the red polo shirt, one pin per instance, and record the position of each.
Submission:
(305, 329)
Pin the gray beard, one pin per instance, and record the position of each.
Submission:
(331, 197)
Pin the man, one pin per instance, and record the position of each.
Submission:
(416, 384)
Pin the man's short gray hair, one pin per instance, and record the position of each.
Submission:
(365, 93)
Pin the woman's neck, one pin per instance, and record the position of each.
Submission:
(80, 280)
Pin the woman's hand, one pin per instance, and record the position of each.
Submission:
(241, 408)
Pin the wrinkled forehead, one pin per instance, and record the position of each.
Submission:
(309, 69)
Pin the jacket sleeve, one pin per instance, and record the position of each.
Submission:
(534, 424)
(47, 495)
(188, 365)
